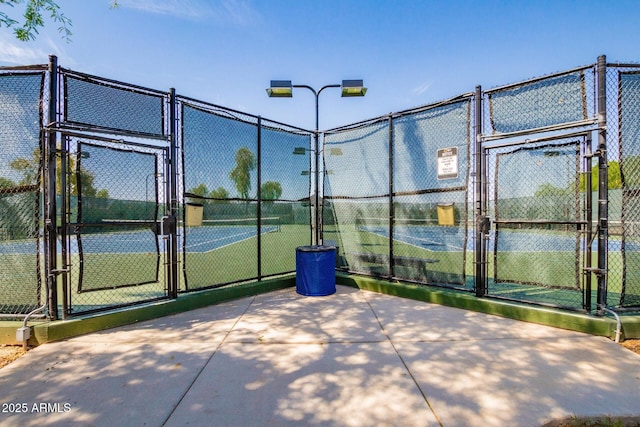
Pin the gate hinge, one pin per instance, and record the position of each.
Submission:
(59, 271)
(595, 270)
(597, 153)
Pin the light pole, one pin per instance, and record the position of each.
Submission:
(284, 89)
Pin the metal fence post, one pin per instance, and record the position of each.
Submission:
(50, 220)
(391, 206)
(481, 220)
(259, 207)
(316, 212)
(173, 194)
(586, 299)
(603, 184)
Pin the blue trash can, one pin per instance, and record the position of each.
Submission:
(315, 270)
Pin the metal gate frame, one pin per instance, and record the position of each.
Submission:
(583, 223)
(74, 264)
(57, 216)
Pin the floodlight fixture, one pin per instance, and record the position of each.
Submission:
(280, 89)
(353, 88)
(284, 89)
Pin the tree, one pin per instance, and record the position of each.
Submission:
(28, 167)
(31, 167)
(631, 170)
(102, 194)
(199, 190)
(203, 192)
(219, 193)
(241, 174)
(551, 190)
(34, 18)
(270, 191)
(613, 176)
(6, 182)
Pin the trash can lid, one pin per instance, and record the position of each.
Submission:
(316, 248)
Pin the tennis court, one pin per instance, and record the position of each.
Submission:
(432, 238)
(445, 239)
(215, 234)
(199, 239)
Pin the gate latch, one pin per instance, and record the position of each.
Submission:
(484, 224)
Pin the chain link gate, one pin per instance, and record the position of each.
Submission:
(540, 238)
(112, 235)
(113, 194)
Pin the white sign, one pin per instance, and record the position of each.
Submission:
(448, 163)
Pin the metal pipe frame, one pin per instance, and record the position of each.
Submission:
(259, 207)
(480, 196)
(603, 185)
(316, 136)
(172, 187)
(50, 194)
(392, 213)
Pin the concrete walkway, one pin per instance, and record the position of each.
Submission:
(356, 358)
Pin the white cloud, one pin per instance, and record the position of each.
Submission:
(422, 88)
(235, 12)
(13, 51)
(16, 52)
(58, 47)
(240, 12)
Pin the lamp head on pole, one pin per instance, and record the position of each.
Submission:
(280, 89)
(353, 88)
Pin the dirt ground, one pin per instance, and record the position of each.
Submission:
(633, 345)
(9, 353)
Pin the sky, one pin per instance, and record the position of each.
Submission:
(408, 52)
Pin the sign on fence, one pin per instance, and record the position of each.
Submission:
(448, 163)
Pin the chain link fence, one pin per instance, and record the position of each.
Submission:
(151, 195)
(246, 184)
(395, 194)
(285, 190)
(21, 289)
(535, 192)
(356, 188)
(99, 104)
(624, 176)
